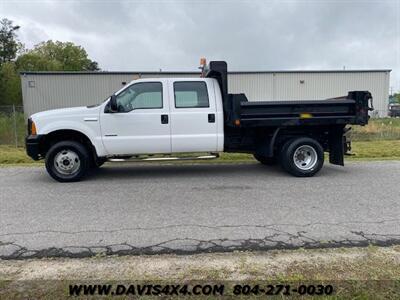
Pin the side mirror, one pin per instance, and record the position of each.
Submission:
(113, 104)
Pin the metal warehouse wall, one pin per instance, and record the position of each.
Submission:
(47, 90)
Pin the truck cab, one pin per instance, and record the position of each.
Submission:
(163, 116)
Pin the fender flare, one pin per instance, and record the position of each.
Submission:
(84, 130)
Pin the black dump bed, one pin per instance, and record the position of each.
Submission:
(352, 109)
(239, 112)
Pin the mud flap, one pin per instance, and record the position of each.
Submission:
(336, 146)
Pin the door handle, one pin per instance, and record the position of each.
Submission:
(211, 118)
(164, 119)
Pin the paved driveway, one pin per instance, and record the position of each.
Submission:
(192, 208)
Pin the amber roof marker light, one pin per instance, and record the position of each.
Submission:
(202, 67)
(203, 62)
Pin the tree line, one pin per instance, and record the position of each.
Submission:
(45, 56)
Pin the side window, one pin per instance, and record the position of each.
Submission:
(140, 95)
(191, 94)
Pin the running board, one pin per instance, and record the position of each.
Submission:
(203, 157)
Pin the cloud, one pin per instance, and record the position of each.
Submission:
(250, 35)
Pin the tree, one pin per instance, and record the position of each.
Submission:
(10, 85)
(56, 56)
(46, 56)
(9, 44)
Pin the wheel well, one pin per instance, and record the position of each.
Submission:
(321, 135)
(66, 135)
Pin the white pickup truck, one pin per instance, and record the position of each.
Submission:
(152, 119)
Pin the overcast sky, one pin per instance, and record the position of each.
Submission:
(249, 35)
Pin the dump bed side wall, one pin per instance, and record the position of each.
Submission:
(352, 109)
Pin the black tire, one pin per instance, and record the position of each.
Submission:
(268, 161)
(292, 165)
(81, 155)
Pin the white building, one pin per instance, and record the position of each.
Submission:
(48, 90)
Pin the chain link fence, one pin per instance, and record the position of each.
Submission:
(12, 125)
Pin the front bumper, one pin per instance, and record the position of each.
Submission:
(33, 148)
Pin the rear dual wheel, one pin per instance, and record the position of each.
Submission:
(302, 157)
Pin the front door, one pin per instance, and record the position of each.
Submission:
(193, 116)
(141, 124)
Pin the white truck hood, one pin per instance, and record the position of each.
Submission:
(83, 119)
(66, 112)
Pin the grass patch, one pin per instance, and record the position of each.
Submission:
(363, 150)
(377, 149)
(13, 155)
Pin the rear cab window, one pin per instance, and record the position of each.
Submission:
(191, 94)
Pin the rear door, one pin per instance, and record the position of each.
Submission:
(193, 115)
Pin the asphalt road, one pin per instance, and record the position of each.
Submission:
(134, 209)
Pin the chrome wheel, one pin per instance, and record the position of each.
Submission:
(305, 157)
(67, 162)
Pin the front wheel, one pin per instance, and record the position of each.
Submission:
(302, 157)
(67, 161)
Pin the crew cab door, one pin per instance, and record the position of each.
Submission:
(142, 123)
(193, 115)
